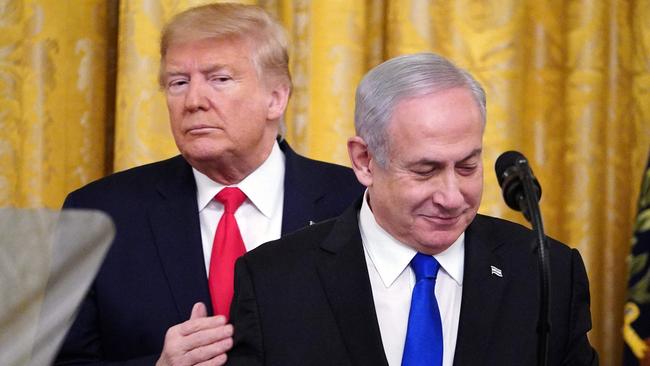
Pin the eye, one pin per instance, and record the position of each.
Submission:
(424, 172)
(467, 169)
(177, 85)
(220, 78)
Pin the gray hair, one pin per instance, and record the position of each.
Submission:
(401, 78)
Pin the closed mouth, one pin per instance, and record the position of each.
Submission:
(442, 220)
(202, 129)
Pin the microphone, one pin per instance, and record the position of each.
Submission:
(512, 168)
(522, 192)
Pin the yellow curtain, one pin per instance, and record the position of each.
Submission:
(53, 58)
(567, 85)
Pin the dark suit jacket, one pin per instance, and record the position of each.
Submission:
(154, 271)
(306, 299)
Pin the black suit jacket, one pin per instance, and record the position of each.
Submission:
(306, 299)
(154, 271)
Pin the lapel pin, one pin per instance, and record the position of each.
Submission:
(495, 271)
(311, 223)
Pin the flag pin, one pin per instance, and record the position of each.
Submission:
(495, 271)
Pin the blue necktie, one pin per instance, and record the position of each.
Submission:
(423, 344)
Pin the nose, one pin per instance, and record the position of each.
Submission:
(448, 193)
(196, 97)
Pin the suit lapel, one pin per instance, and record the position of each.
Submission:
(482, 294)
(175, 224)
(343, 273)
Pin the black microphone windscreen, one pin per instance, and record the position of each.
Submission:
(508, 171)
(505, 161)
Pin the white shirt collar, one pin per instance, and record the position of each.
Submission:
(262, 187)
(391, 257)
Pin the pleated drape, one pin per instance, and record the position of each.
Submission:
(567, 84)
(53, 67)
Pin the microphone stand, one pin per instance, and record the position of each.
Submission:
(530, 207)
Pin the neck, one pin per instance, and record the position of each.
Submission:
(229, 170)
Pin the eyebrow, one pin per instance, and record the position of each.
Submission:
(474, 153)
(207, 69)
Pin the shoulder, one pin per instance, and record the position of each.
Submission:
(303, 171)
(517, 244)
(295, 160)
(128, 184)
(503, 232)
(296, 243)
(296, 250)
(499, 228)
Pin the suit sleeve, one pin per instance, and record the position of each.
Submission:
(83, 343)
(579, 350)
(248, 349)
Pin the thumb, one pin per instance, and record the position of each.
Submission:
(199, 311)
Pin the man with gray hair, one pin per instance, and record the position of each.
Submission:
(410, 274)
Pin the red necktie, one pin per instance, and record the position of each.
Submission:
(226, 248)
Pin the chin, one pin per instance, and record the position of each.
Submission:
(439, 243)
(203, 149)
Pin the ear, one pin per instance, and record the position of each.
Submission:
(278, 101)
(360, 158)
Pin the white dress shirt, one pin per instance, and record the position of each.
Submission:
(260, 216)
(392, 281)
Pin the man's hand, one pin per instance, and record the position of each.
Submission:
(201, 340)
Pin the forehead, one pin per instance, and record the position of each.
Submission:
(446, 125)
(231, 50)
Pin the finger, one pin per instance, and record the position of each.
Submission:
(198, 311)
(208, 336)
(195, 325)
(217, 361)
(223, 332)
(216, 350)
(220, 360)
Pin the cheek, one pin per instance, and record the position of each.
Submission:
(175, 111)
(412, 197)
(245, 114)
(473, 191)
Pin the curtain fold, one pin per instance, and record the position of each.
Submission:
(52, 99)
(568, 84)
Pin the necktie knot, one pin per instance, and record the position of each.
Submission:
(424, 266)
(231, 198)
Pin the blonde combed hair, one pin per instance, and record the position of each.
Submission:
(228, 20)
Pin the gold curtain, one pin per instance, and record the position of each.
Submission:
(52, 99)
(568, 84)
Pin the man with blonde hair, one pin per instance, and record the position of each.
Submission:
(181, 223)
